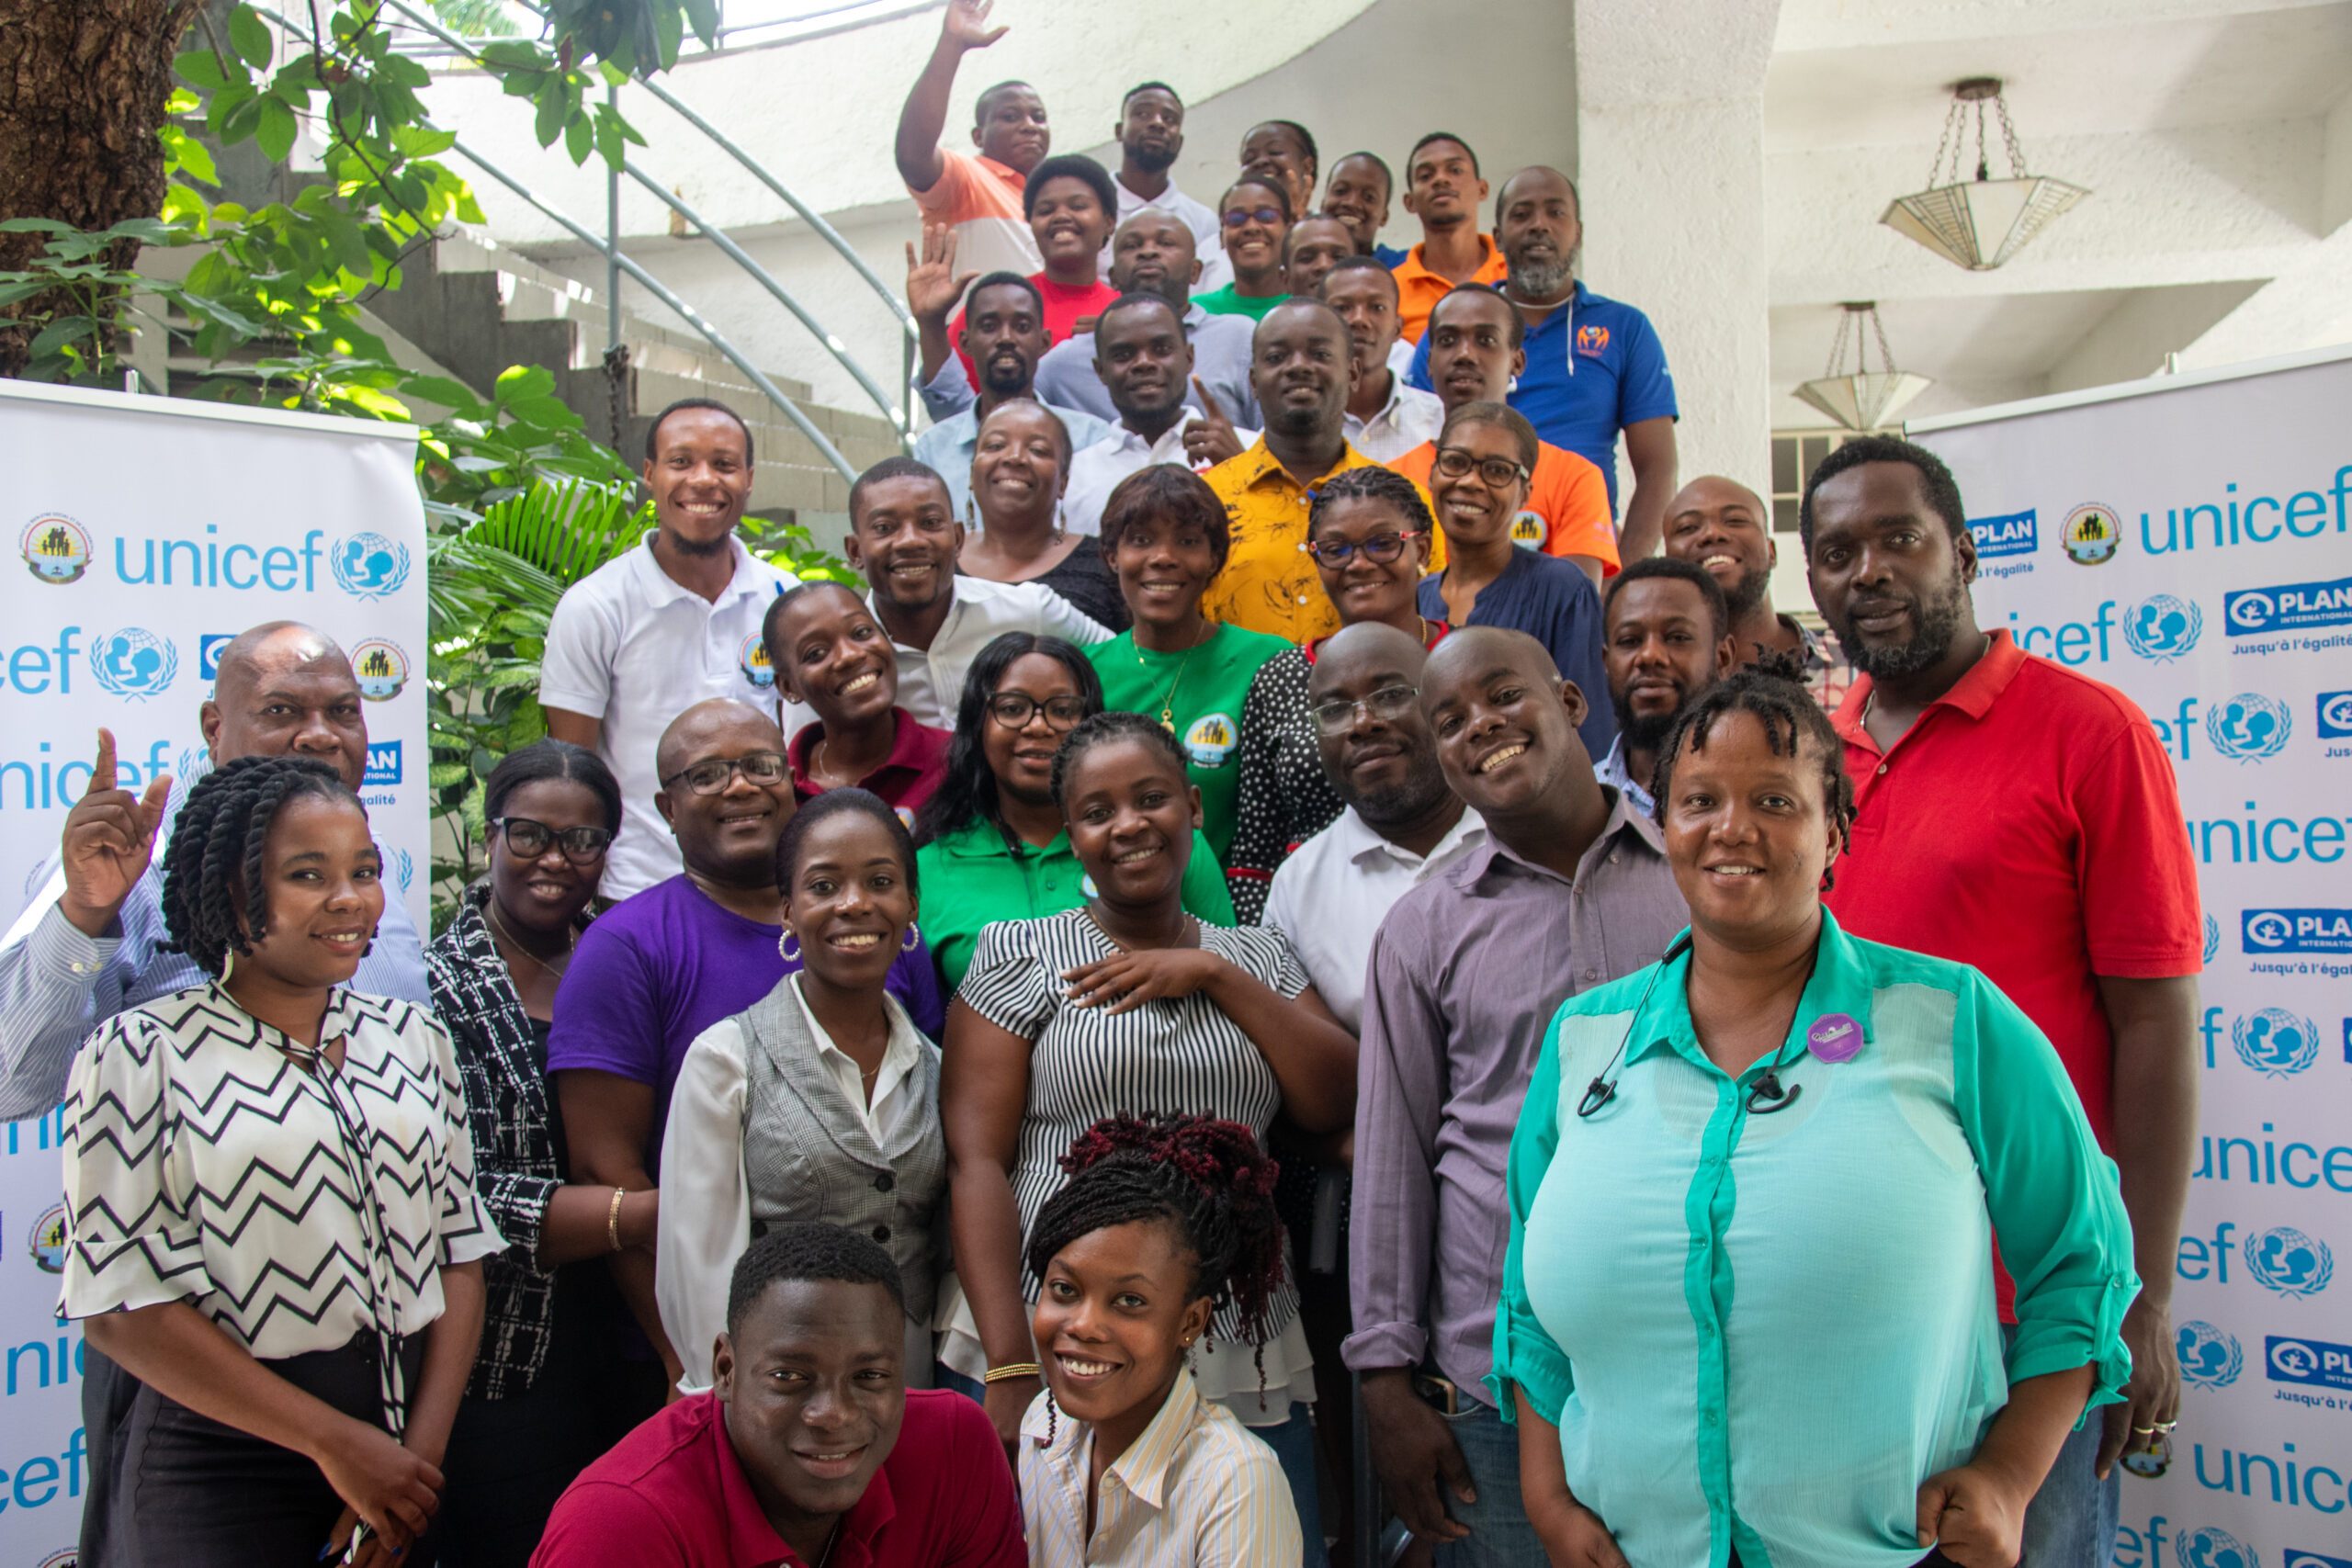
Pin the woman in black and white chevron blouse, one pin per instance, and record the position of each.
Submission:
(271, 1188)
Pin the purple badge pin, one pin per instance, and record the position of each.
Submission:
(1835, 1037)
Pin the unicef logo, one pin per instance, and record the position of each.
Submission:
(370, 566)
(381, 668)
(2249, 726)
(134, 662)
(402, 865)
(2284, 1260)
(2209, 1357)
(2213, 938)
(55, 548)
(2275, 1043)
(2162, 627)
(2211, 1548)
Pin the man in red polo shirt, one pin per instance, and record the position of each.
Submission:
(2019, 817)
(809, 1448)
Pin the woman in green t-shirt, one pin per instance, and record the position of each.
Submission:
(1254, 218)
(1165, 534)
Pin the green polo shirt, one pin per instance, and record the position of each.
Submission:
(1200, 693)
(1225, 302)
(969, 880)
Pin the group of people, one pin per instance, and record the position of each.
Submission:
(1267, 894)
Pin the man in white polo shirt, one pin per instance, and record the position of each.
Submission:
(672, 622)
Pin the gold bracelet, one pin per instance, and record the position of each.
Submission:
(612, 1218)
(1012, 1370)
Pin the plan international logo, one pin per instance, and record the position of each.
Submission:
(2288, 607)
(2011, 534)
(2297, 930)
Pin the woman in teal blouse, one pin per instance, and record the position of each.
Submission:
(1747, 1306)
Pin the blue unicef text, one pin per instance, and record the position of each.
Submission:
(2252, 520)
(206, 563)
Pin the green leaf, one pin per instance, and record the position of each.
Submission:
(552, 105)
(518, 381)
(250, 34)
(549, 412)
(191, 157)
(63, 331)
(274, 130)
(240, 122)
(704, 14)
(671, 25)
(579, 138)
(24, 288)
(454, 396)
(199, 68)
(514, 54)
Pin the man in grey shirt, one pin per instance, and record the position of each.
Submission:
(1570, 890)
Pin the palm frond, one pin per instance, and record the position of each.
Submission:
(563, 530)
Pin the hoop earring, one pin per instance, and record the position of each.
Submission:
(228, 963)
(912, 939)
(787, 946)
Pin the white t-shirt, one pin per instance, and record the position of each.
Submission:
(631, 648)
(1096, 472)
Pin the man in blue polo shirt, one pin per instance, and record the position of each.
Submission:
(1594, 367)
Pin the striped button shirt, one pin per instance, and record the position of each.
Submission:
(1194, 1488)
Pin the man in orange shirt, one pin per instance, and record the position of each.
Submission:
(1443, 190)
(978, 197)
(1477, 345)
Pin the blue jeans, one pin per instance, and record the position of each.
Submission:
(2071, 1522)
(1499, 1535)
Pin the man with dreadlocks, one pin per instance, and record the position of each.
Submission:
(1164, 1221)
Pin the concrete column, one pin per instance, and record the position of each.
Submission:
(1670, 153)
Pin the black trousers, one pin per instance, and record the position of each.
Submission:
(193, 1493)
(107, 1394)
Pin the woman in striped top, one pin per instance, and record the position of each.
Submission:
(1126, 1006)
(1163, 1220)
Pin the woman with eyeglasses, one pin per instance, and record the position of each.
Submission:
(1484, 460)
(1371, 535)
(547, 1394)
(1020, 465)
(1748, 1310)
(1254, 218)
(990, 843)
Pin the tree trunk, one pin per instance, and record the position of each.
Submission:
(83, 85)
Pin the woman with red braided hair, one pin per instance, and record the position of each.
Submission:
(1165, 1220)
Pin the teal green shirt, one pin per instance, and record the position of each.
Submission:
(1198, 694)
(969, 880)
(1225, 302)
(1758, 1334)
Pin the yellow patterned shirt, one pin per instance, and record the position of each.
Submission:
(1270, 583)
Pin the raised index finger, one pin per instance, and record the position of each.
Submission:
(1209, 400)
(102, 773)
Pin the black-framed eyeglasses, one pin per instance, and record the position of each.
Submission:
(1380, 550)
(711, 774)
(1456, 463)
(1014, 709)
(1237, 216)
(1336, 715)
(530, 839)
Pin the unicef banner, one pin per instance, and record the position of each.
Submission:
(2189, 540)
(147, 532)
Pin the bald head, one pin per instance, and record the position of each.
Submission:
(696, 733)
(1375, 645)
(282, 689)
(1476, 648)
(1506, 729)
(727, 836)
(1725, 529)
(1381, 759)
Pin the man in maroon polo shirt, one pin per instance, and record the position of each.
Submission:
(2020, 816)
(809, 1452)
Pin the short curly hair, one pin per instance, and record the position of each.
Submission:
(215, 900)
(1772, 693)
(1167, 491)
(1105, 729)
(1372, 484)
(810, 1249)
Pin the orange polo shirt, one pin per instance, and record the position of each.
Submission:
(1270, 583)
(1567, 503)
(980, 199)
(1418, 289)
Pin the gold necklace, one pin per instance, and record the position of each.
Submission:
(1167, 698)
(552, 971)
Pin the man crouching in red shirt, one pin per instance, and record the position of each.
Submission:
(809, 1448)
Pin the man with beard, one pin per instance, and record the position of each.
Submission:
(1357, 195)
(1665, 638)
(979, 198)
(1723, 526)
(1003, 334)
(1150, 134)
(2018, 815)
(1570, 890)
(1386, 418)
(1443, 189)
(905, 539)
(1304, 370)
(1594, 365)
(642, 638)
(1147, 366)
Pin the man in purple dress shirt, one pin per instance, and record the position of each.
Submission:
(1569, 891)
(662, 966)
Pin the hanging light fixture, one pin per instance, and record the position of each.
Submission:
(1862, 398)
(1979, 223)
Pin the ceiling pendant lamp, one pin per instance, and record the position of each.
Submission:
(1979, 223)
(1862, 398)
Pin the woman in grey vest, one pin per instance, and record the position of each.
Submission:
(821, 1100)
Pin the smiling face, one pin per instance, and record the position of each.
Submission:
(1357, 195)
(1302, 367)
(1273, 151)
(1747, 832)
(1069, 223)
(1253, 225)
(546, 892)
(1659, 648)
(1505, 725)
(322, 881)
(1538, 230)
(1383, 762)
(289, 694)
(848, 900)
(1470, 507)
(1154, 252)
(1363, 589)
(815, 1392)
(830, 653)
(1017, 463)
(1889, 576)
(1163, 565)
(1720, 529)
(1151, 130)
(1144, 360)
(1471, 356)
(1005, 336)
(1013, 127)
(1366, 300)
(1023, 758)
(729, 837)
(1441, 186)
(700, 475)
(1315, 245)
(1131, 814)
(1114, 1312)
(905, 540)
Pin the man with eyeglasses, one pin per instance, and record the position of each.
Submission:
(674, 621)
(659, 968)
(1569, 889)
(1476, 345)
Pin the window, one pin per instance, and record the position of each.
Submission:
(1795, 454)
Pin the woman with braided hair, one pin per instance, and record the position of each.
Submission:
(1164, 1221)
(273, 1219)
